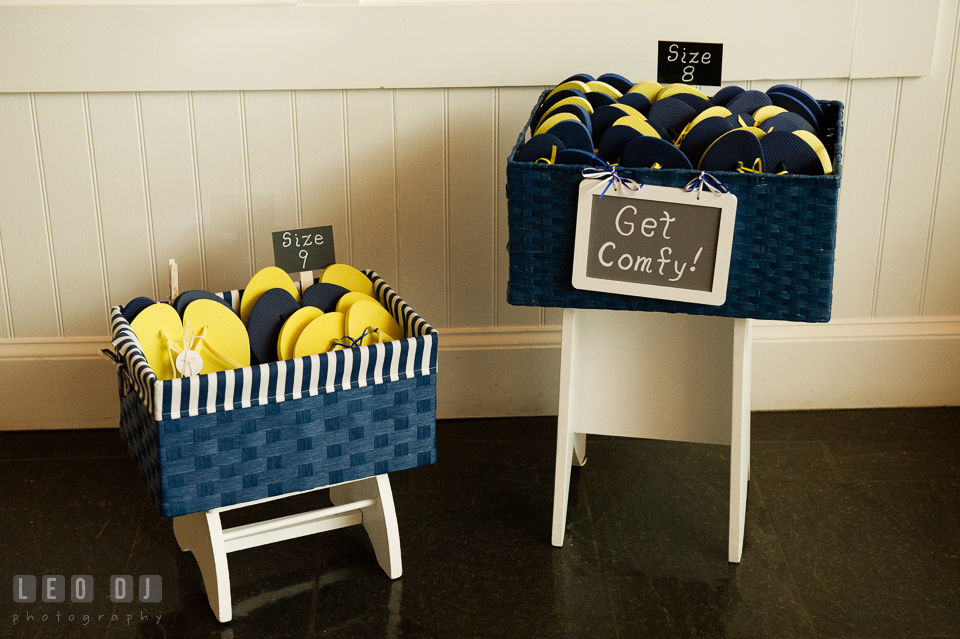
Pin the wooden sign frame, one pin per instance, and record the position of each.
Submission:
(722, 209)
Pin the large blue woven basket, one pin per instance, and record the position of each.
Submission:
(783, 244)
(240, 435)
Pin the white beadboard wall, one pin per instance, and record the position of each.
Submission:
(99, 190)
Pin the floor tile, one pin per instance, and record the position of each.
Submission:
(660, 510)
(872, 559)
(878, 424)
(56, 444)
(792, 461)
(907, 459)
(852, 530)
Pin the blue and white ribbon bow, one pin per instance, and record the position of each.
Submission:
(706, 180)
(608, 172)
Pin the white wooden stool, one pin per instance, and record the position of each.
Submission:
(657, 376)
(364, 501)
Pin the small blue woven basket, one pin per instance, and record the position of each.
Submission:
(783, 244)
(262, 431)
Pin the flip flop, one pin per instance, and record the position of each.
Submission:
(266, 320)
(225, 344)
(748, 102)
(574, 135)
(648, 88)
(352, 298)
(637, 100)
(153, 326)
(650, 152)
(733, 150)
(787, 121)
(292, 328)
(701, 136)
(724, 95)
(134, 306)
(263, 281)
(618, 82)
(366, 317)
(348, 277)
(323, 296)
(320, 335)
(185, 298)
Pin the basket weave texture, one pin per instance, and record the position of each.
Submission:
(220, 459)
(346, 427)
(783, 245)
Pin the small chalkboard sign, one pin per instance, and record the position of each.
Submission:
(689, 63)
(654, 242)
(303, 249)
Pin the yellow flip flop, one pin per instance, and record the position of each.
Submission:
(153, 326)
(263, 281)
(292, 328)
(817, 145)
(674, 89)
(603, 87)
(575, 85)
(348, 277)
(319, 335)
(349, 299)
(365, 316)
(648, 88)
(629, 110)
(766, 112)
(556, 118)
(225, 343)
(577, 100)
(640, 124)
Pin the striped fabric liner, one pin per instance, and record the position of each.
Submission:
(291, 379)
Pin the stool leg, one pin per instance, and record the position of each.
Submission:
(740, 436)
(202, 534)
(567, 439)
(379, 520)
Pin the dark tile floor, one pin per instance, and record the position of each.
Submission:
(853, 530)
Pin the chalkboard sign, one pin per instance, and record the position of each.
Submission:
(689, 63)
(303, 249)
(655, 242)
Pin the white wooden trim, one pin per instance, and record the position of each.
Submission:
(132, 47)
(515, 371)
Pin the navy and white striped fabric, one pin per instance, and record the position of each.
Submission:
(292, 379)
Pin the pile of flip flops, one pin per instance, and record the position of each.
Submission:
(646, 125)
(201, 333)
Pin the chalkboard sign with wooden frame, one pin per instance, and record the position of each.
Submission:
(657, 242)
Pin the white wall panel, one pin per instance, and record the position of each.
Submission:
(6, 323)
(292, 47)
(27, 261)
(827, 88)
(272, 161)
(941, 293)
(97, 191)
(422, 202)
(74, 214)
(866, 158)
(513, 111)
(472, 192)
(914, 177)
(127, 236)
(373, 187)
(173, 188)
(224, 191)
(321, 152)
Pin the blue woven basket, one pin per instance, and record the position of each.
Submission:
(240, 435)
(783, 243)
